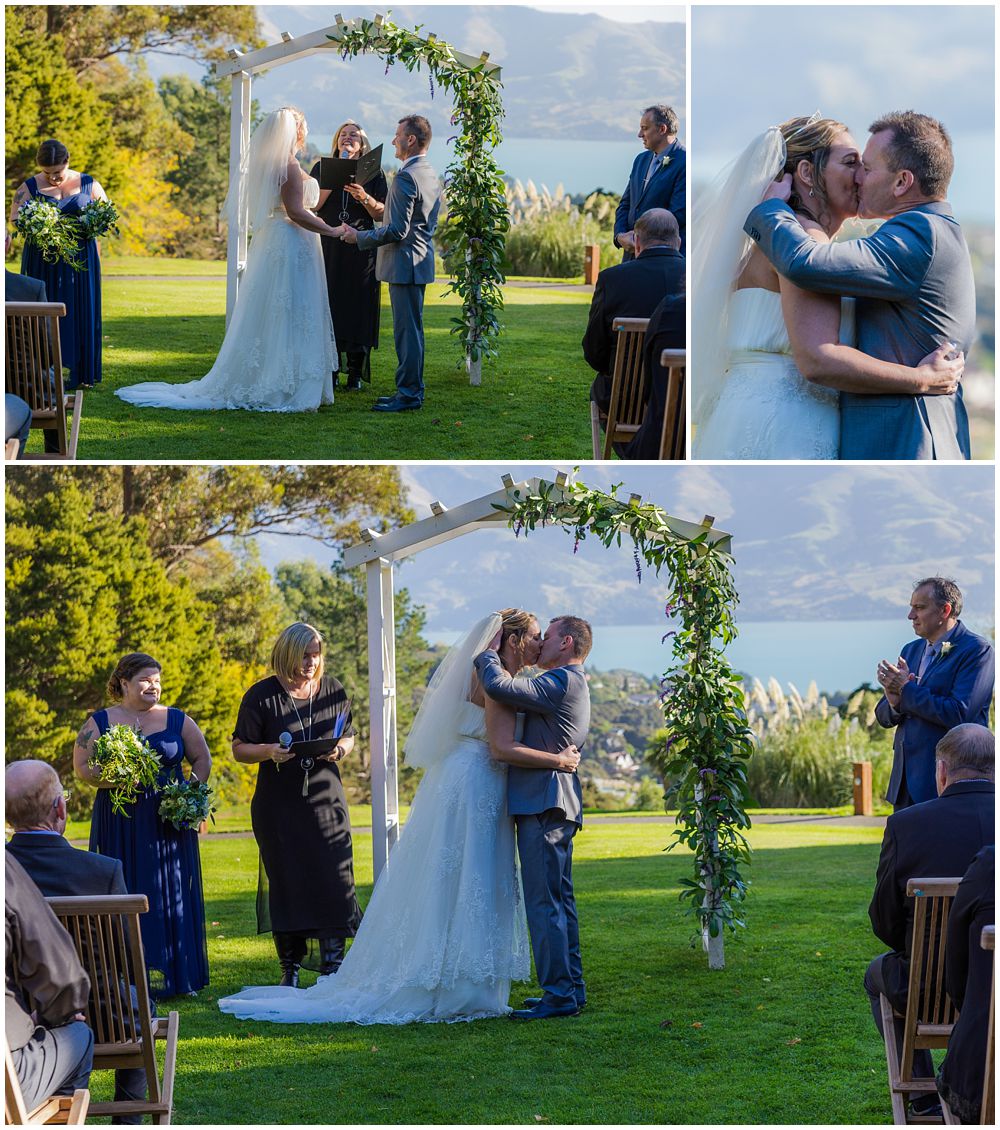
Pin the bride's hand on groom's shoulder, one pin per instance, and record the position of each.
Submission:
(941, 371)
(780, 189)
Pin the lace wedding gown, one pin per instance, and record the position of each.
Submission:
(279, 351)
(766, 409)
(444, 933)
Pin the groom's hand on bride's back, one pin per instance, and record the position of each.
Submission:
(780, 189)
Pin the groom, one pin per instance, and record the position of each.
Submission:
(406, 256)
(547, 807)
(912, 278)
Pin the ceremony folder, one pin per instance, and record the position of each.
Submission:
(335, 172)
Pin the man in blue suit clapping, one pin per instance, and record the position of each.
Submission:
(941, 680)
(658, 177)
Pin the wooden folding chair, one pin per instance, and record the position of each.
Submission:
(988, 1116)
(10, 449)
(66, 1110)
(628, 402)
(672, 438)
(34, 372)
(930, 1016)
(105, 932)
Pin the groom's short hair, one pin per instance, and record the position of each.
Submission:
(583, 638)
(664, 116)
(920, 144)
(945, 591)
(419, 127)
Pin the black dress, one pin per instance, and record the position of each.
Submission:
(306, 879)
(355, 293)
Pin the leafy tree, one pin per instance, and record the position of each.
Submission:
(334, 602)
(84, 588)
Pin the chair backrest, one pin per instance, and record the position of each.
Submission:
(930, 1014)
(987, 1117)
(105, 933)
(672, 438)
(34, 362)
(628, 400)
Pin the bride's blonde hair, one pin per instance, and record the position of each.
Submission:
(515, 624)
(810, 139)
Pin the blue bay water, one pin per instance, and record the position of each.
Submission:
(837, 654)
(580, 166)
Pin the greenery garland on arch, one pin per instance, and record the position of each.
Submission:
(708, 741)
(474, 234)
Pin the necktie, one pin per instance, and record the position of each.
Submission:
(925, 662)
(652, 168)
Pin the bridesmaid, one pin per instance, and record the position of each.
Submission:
(80, 331)
(159, 860)
(355, 293)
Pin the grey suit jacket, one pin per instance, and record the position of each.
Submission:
(557, 714)
(23, 288)
(913, 281)
(405, 237)
(59, 869)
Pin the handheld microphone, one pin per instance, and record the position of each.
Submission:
(285, 739)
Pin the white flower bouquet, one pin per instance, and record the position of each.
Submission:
(56, 236)
(99, 218)
(186, 803)
(127, 762)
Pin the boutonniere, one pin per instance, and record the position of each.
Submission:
(664, 161)
(946, 648)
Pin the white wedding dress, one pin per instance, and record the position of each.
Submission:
(444, 932)
(279, 352)
(766, 409)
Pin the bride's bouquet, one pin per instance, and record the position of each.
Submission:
(99, 218)
(55, 235)
(187, 803)
(128, 762)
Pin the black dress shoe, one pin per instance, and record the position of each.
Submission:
(534, 1002)
(396, 405)
(385, 399)
(544, 1012)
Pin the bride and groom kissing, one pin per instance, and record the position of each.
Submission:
(446, 929)
(806, 348)
(279, 353)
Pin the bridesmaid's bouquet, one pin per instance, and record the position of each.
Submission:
(187, 803)
(128, 762)
(55, 235)
(98, 218)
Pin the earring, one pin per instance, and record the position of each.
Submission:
(811, 193)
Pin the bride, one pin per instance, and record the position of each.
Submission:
(279, 352)
(769, 358)
(444, 933)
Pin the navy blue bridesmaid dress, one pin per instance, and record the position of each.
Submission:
(163, 864)
(80, 331)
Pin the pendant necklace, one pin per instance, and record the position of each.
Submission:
(344, 214)
(306, 762)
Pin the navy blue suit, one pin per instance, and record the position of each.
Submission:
(667, 188)
(955, 688)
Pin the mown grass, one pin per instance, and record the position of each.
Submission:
(783, 1035)
(532, 402)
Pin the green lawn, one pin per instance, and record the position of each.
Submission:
(783, 1035)
(531, 405)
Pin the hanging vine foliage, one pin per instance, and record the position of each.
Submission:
(474, 234)
(708, 741)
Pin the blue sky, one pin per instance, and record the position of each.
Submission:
(852, 63)
(815, 542)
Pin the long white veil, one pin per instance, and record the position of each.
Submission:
(264, 170)
(436, 726)
(720, 252)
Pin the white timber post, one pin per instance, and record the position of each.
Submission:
(239, 139)
(382, 711)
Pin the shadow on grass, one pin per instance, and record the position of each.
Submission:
(782, 1035)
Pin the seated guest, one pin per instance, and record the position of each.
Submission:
(51, 1047)
(937, 838)
(23, 288)
(632, 290)
(36, 810)
(666, 331)
(18, 421)
(968, 973)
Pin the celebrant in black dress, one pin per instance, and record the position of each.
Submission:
(355, 293)
(299, 813)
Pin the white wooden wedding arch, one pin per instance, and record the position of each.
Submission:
(241, 68)
(378, 553)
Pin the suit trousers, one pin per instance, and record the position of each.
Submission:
(407, 300)
(545, 848)
(55, 1061)
(923, 1065)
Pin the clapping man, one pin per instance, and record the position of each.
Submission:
(940, 680)
(658, 178)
